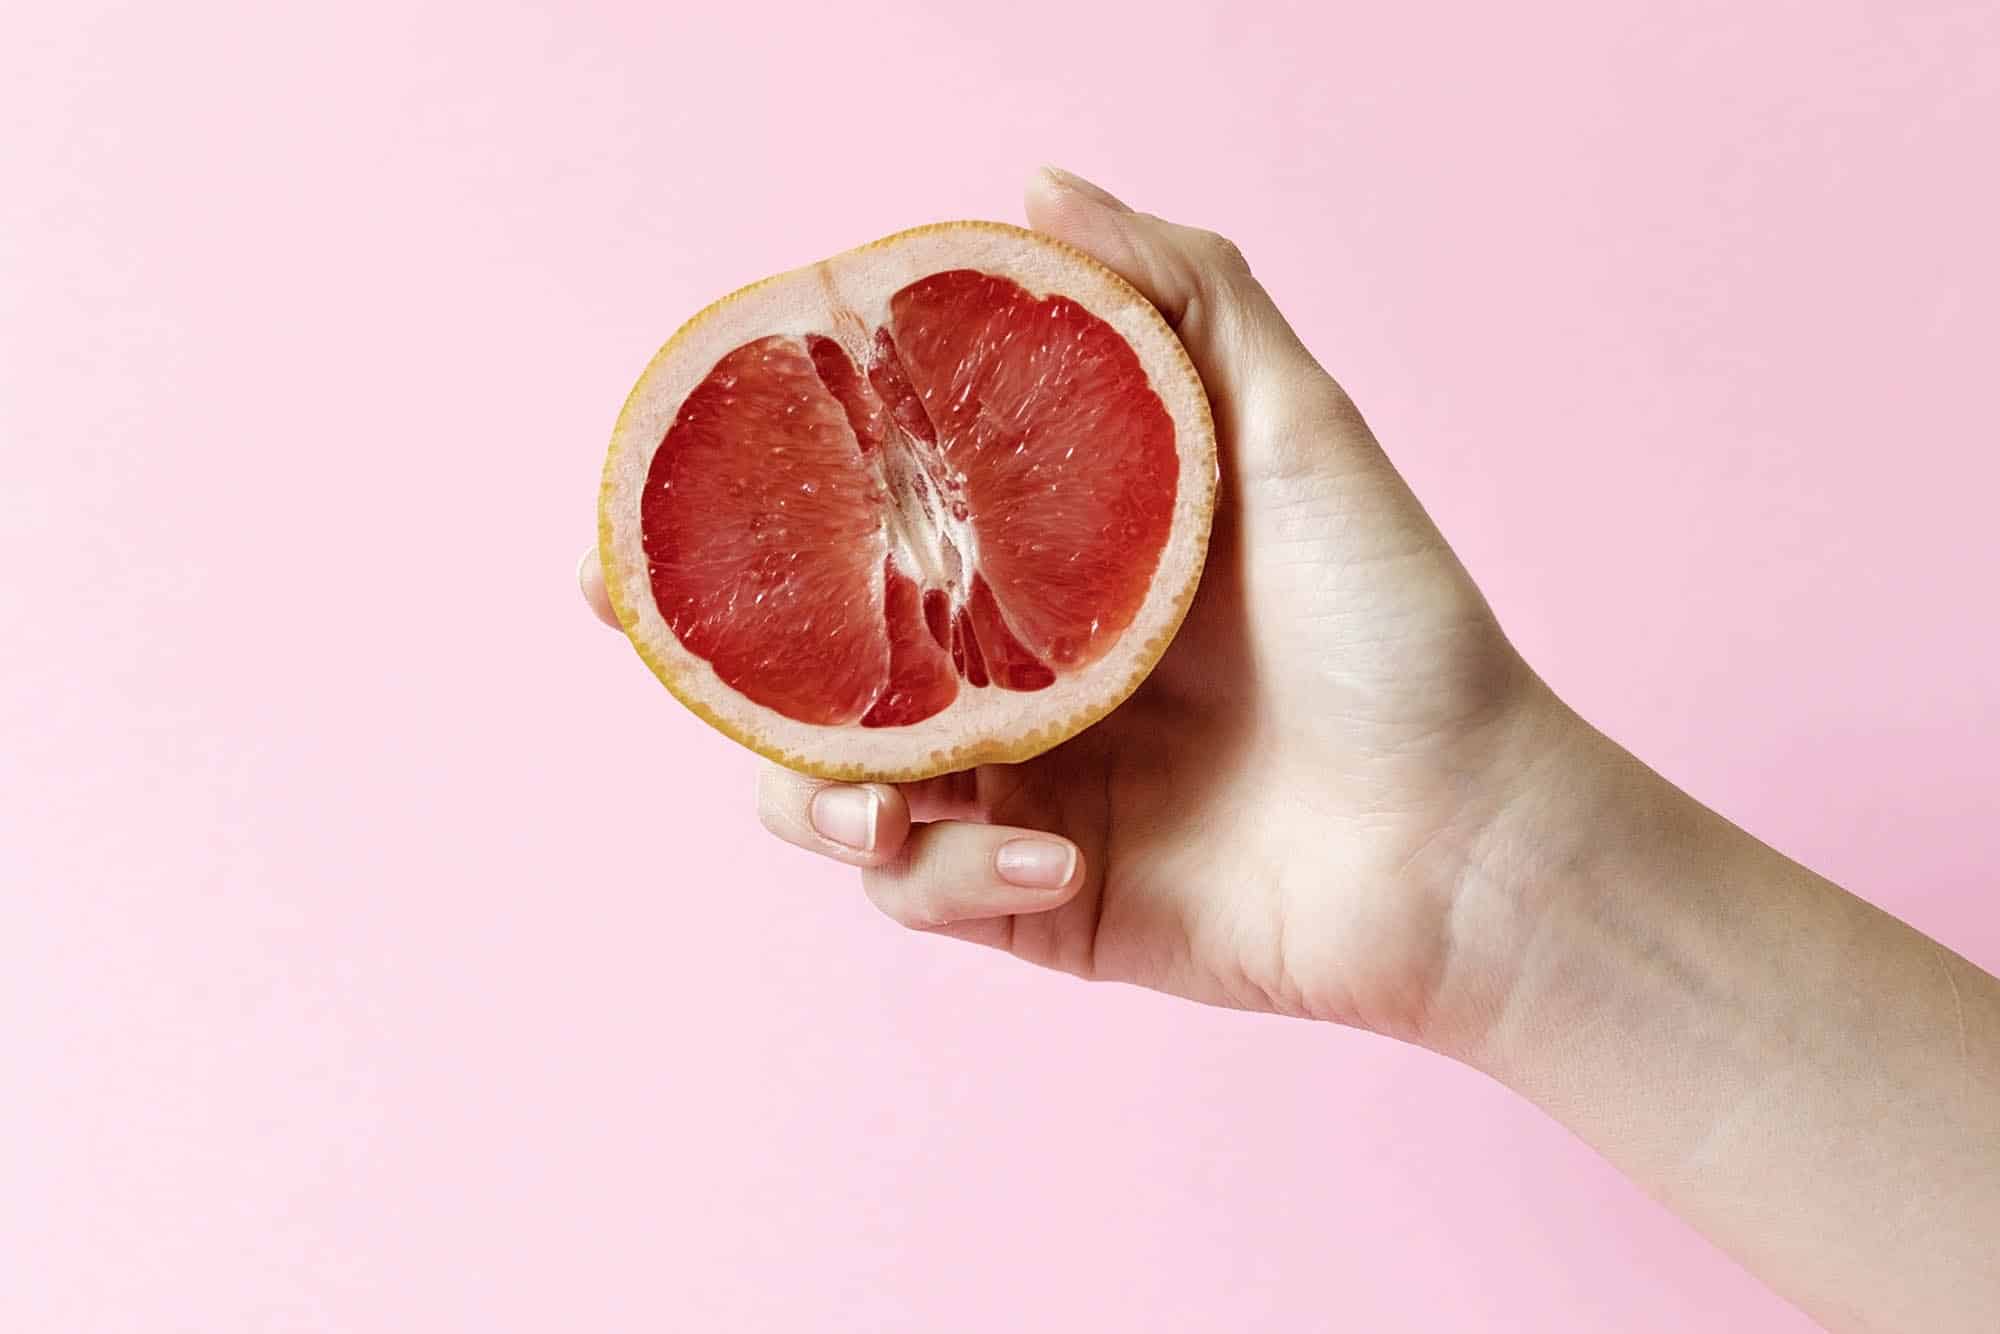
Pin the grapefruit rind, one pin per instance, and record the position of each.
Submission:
(994, 733)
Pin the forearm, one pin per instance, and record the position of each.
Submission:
(1813, 1084)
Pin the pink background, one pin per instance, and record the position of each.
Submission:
(381, 949)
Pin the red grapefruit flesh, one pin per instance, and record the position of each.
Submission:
(938, 501)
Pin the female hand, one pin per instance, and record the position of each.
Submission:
(1342, 795)
(1280, 816)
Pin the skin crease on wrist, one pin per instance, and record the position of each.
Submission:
(1342, 795)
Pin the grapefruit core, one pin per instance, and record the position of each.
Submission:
(939, 501)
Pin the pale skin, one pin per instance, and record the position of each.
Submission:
(1343, 796)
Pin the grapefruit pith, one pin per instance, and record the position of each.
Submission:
(938, 501)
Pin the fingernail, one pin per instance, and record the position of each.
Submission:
(1071, 180)
(1035, 863)
(847, 816)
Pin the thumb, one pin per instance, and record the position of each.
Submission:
(1246, 352)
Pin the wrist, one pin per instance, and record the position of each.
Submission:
(1600, 898)
(1522, 887)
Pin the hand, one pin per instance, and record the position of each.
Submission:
(1279, 817)
(1342, 795)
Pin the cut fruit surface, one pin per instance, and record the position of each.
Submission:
(937, 501)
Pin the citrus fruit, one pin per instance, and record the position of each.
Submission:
(935, 502)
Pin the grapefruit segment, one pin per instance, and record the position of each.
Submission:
(1066, 454)
(762, 536)
(1007, 663)
(865, 413)
(921, 681)
(938, 500)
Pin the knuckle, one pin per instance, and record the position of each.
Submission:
(913, 912)
(782, 800)
(1222, 252)
(768, 807)
(1311, 402)
(903, 900)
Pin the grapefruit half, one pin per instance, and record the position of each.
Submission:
(939, 501)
